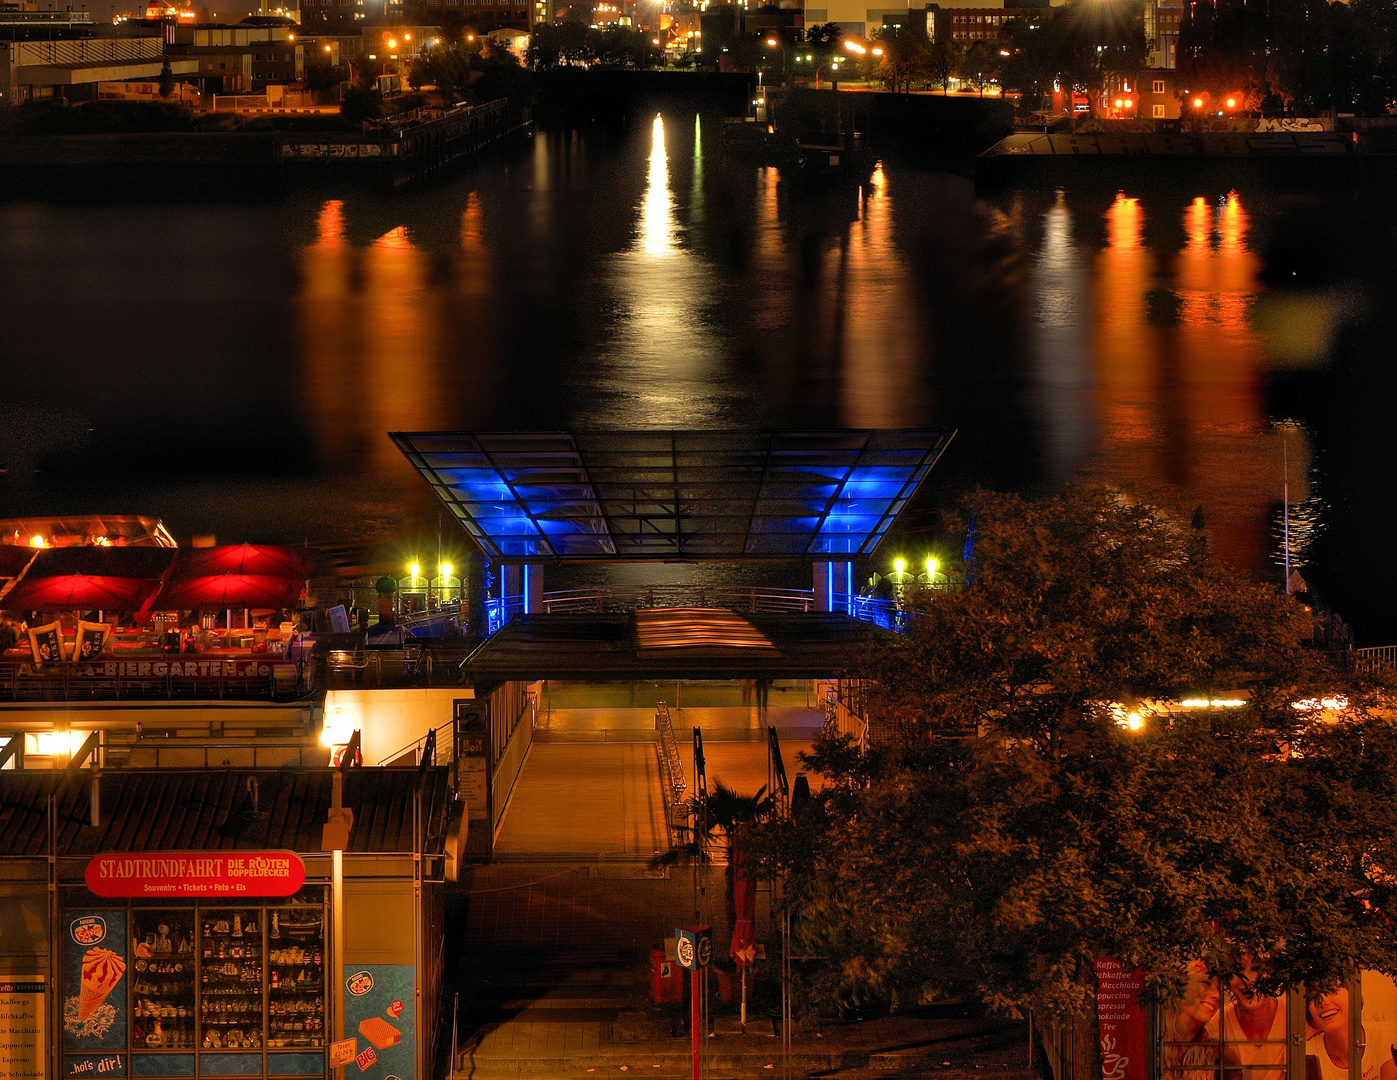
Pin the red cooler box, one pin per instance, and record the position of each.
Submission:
(666, 978)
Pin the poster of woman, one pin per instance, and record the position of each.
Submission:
(1328, 1044)
(1189, 1047)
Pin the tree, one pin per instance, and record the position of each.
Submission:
(359, 105)
(978, 65)
(1036, 795)
(943, 60)
(906, 56)
(1097, 41)
(447, 66)
(167, 80)
(1029, 68)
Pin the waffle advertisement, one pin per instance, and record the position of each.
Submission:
(196, 873)
(94, 981)
(379, 1014)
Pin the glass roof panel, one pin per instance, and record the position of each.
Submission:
(664, 494)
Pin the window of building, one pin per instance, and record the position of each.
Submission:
(1159, 86)
(1159, 112)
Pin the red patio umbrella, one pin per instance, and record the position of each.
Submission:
(218, 591)
(79, 592)
(244, 559)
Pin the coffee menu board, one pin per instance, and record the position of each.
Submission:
(22, 1044)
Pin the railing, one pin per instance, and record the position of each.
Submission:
(619, 598)
(840, 719)
(499, 610)
(152, 753)
(888, 614)
(410, 664)
(1376, 658)
(442, 745)
(672, 774)
(156, 679)
(776, 783)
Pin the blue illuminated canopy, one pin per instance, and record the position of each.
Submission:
(643, 495)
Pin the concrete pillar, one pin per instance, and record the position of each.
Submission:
(831, 579)
(823, 580)
(533, 588)
(511, 587)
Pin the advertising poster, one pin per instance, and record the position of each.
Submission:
(90, 641)
(22, 1029)
(379, 1015)
(1121, 1020)
(1328, 1033)
(94, 982)
(46, 644)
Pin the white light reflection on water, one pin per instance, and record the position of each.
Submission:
(662, 363)
(1063, 359)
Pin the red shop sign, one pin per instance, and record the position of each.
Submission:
(1121, 1020)
(196, 873)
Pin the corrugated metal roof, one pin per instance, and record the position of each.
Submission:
(217, 809)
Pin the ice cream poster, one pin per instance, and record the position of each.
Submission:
(94, 980)
(379, 1015)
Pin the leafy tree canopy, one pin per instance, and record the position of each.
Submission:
(1036, 796)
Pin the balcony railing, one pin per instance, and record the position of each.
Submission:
(158, 678)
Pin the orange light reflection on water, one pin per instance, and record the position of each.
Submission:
(1180, 371)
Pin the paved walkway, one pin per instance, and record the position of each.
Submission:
(584, 800)
(720, 722)
(553, 977)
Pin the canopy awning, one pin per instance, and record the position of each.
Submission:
(710, 495)
(217, 591)
(79, 592)
(244, 559)
(89, 578)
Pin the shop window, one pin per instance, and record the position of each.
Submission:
(231, 986)
(162, 987)
(213, 990)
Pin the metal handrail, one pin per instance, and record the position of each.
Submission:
(672, 765)
(776, 782)
(416, 744)
(630, 598)
(1375, 657)
(301, 746)
(70, 683)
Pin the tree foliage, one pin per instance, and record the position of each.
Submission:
(1303, 56)
(570, 43)
(1007, 827)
